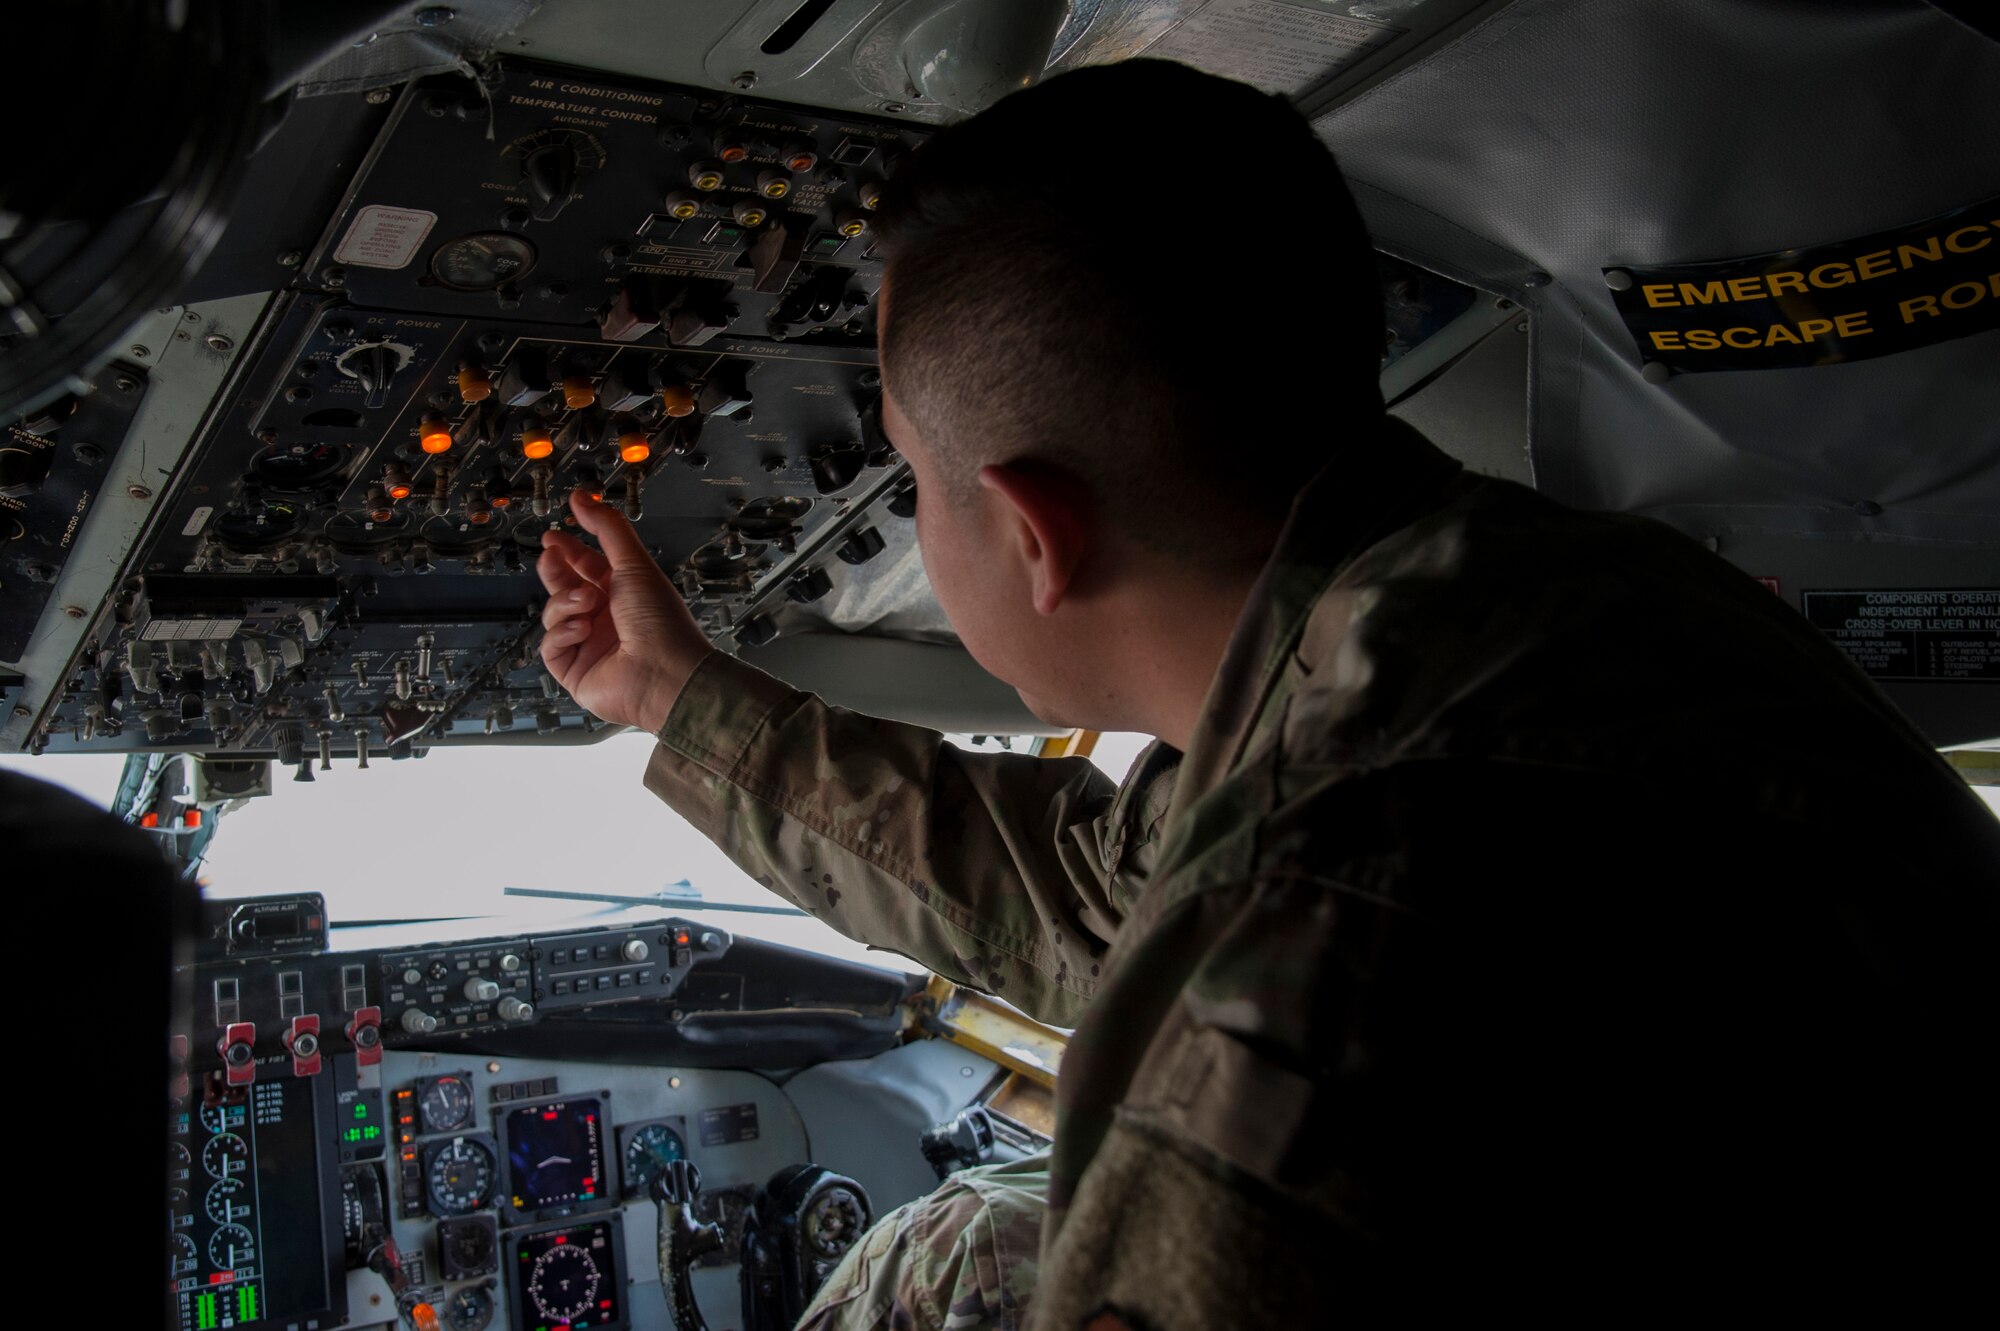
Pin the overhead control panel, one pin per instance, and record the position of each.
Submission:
(536, 282)
(664, 215)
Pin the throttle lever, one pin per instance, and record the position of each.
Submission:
(683, 1238)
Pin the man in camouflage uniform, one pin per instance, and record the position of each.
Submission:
(1521, 907)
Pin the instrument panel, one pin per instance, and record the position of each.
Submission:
(334, 1163)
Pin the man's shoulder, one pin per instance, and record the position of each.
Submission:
(1501, 624)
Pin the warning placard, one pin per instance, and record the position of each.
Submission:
(1928, 282)
(1932, 635)
(383, 237)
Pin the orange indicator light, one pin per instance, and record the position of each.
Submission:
(633, 448)
(397, 492)
(149, 820)
(474, 384)
(537, 443)
(578, 392)
(436, 435)
(678, 399)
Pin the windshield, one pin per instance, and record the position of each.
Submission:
(444, 837)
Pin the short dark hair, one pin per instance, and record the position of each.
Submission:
(1150, 277)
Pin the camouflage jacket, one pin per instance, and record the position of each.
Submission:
(1541, 907)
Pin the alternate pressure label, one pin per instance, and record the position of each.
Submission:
(1906, 635)
(1893, 291)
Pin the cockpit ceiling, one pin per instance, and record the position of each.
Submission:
(1526, 147)
(1533, 150)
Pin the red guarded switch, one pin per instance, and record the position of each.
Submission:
(365, 1032)
(302, 1040)
(238, 1047)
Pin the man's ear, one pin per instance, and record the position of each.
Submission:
(1050, 518)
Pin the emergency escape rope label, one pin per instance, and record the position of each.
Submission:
(1928, 635)
(1928, 282)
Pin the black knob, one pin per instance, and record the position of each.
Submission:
(756, 631)
(23, 469)
(903, 503)
(374, 368)
(834, 469)
(550, 173)
(809, 586)
(860, 547)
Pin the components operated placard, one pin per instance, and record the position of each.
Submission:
(1897, 290)
(1927, 635)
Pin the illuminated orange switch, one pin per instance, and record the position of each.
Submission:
(578, 392)
(474, 384)
(678, 399)
(537, 443)
(633, 448)
(435, 435)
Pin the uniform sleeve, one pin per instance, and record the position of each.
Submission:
(967, 863)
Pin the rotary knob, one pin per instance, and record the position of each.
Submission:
(635, 949)
(514, 1009)
(481, 990)
(23, 469)
(419, 1022)
(550, 174)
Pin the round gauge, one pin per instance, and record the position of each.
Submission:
(648, 1150)
(256, 528)
(215, 1118)
(460, 1177)
(564, 1283)
(446, 1105)
(179, 1200)
(454, 537)
(466, 1246)
(299, 466)
(482, 261)
(178, 1160)
(470, 1309)
(230, 1247)
(356, 532)
(834, 1221)
(184, 1258)
(225, 1201)
(225, 1155)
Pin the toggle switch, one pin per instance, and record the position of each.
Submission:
(239, 1055)
(302, 1042)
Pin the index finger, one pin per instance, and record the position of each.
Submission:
(569, 561)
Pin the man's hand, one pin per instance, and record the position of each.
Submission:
(619, 637)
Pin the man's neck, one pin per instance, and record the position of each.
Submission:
(1169, 641)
